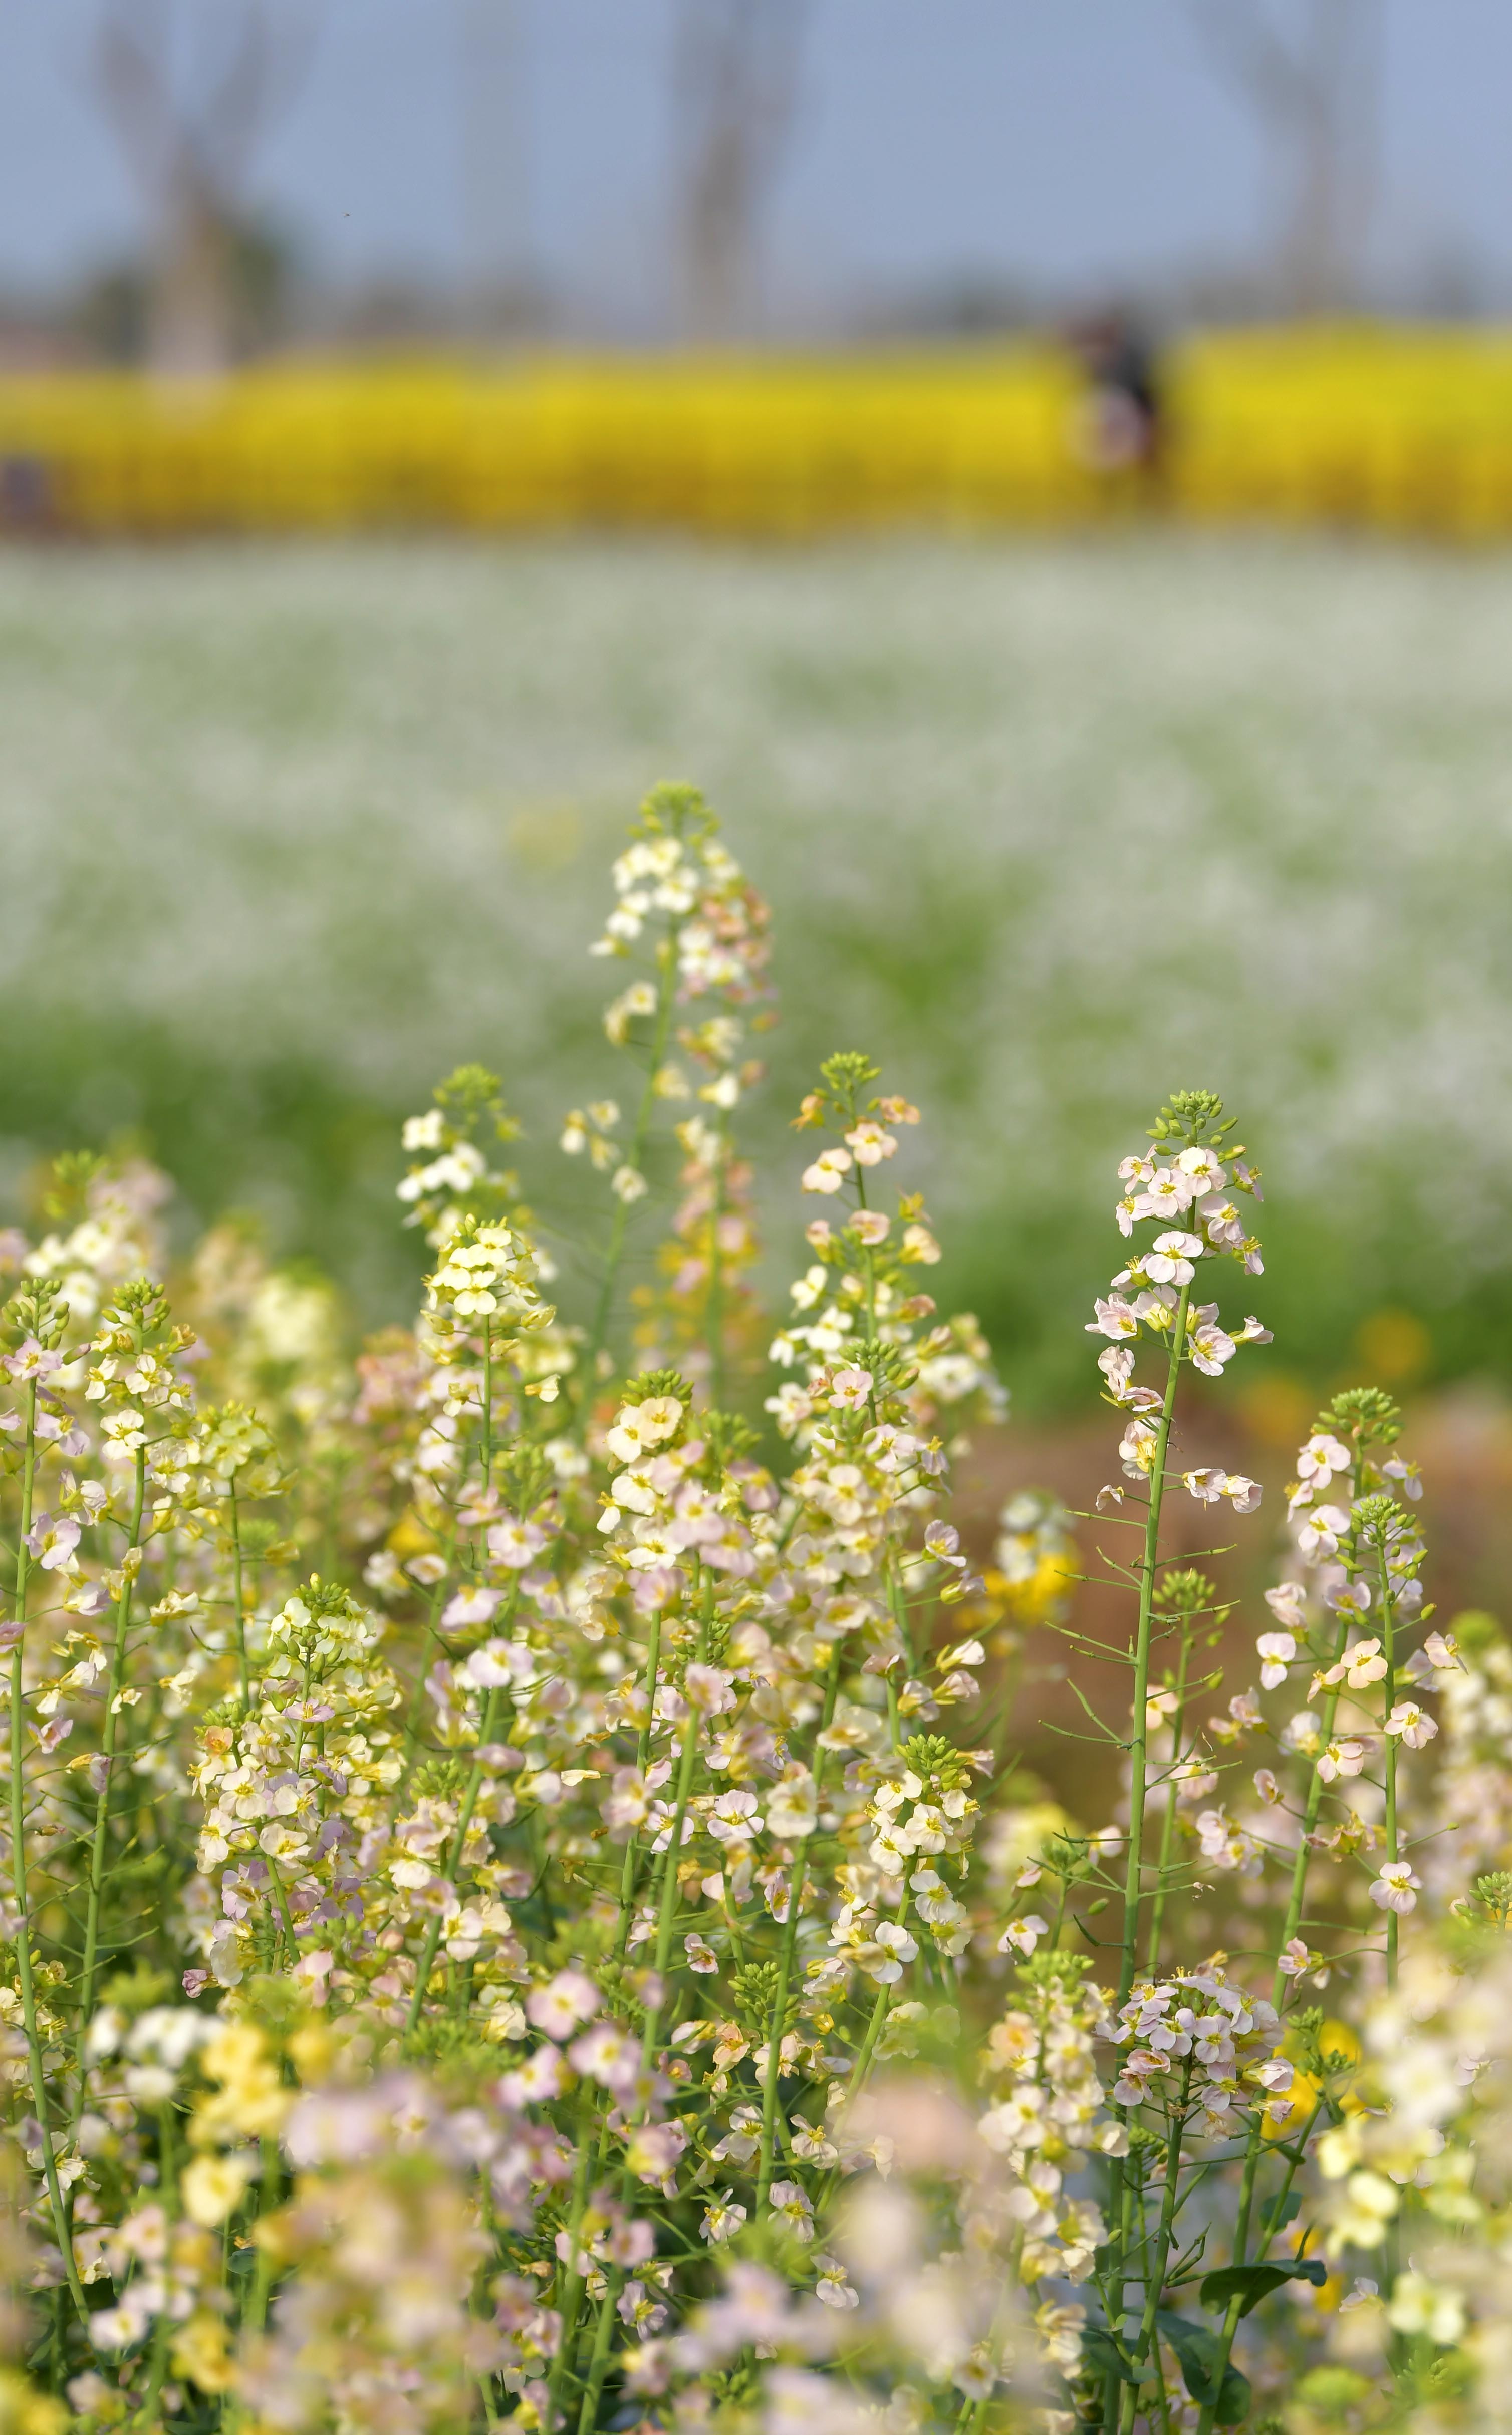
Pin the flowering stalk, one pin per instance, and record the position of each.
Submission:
(1187, 1594)
(38, 1315)
(1348, 1441)
(778, 2020)
(582, 1932)
(1149, 1566)
(1152, 1293)
(115, 1684)
(634, 1167)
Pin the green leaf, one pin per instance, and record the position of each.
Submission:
(1199, 2351)
(1102, 2355)
(1257, 2282)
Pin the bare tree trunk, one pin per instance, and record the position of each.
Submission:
(737, 86)
(190, 334)
(1313, 89)
(191, 93)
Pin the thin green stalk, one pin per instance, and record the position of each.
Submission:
(102, 1804)
(464, 1820)
(598, 2361)
(714, 1309)
(1133, 1873)
(649, 2042)
(603, 2330)
(1388, 1618)
(163, 2331)
(1270, 2222)
(18, 1871)
(1155, 2271)
(1289, 1928)
(862, 2064)
(417, 1700)
(642, 1752)
(667, 958)
(239, 1598)
(282, 1905)
(1149, 1566)
(1162, 1875)
(1393, 2242)
(572, 2292)
(667, 1909)
(784, 1967)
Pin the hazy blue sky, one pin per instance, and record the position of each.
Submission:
(1065, 141)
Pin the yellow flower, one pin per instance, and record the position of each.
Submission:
(199, 2353)
(212, 2186)
(253, 2100)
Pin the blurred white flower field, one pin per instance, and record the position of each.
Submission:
(289, 828)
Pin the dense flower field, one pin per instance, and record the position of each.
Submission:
(1395, 427)
(290, 830)
(521, 1905)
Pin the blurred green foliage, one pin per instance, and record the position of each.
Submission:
(1049, 828)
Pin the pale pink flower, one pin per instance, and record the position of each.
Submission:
(513, 1542)
(1115, 1318)
(1319, 1532)
(1276, 1651)
(52, 1542)
(1396, 1888)
(1210, 1347)
(1414, 1725)
(1321, 1458)
(828, 1171)
(1365, 1664)
(871, 1143)
(563, 2003)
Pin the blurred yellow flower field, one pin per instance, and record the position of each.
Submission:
(1403, 428)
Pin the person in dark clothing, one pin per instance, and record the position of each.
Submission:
(1124, 425)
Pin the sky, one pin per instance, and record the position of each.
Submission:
(1064, 145)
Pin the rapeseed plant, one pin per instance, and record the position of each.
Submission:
(518, 1912)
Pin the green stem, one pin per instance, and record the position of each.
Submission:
(1391, 1756)
(666, 992)
(572, 2292)
(604, 2328)
(714, 1311)
(862, 2064)
(1289, 1928)
(18, 1871)
(282, 1904)
(1163, 1873)
(598, 2361)
(1138, 1744)
(643, 1754)
(102, 1805)
(417, 1702)
(784, 1967)
(163, 2331)
(667, 1908)
(464, 1820)
(1155, 2271)
(239, 1600)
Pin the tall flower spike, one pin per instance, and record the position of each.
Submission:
(680, 892)
(1180, 1189)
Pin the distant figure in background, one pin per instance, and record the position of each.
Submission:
(1120, 422)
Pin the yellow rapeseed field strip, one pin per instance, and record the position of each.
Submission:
(1406, 429)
